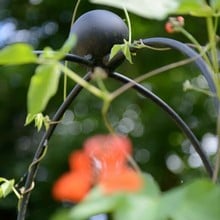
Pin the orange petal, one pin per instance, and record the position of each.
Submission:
(78, 160)
(123, 180)
(109, 148)
(71, 186)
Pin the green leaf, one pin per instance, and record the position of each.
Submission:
(61, 214)
(157, 9)
(194, 7)
(196, 201)
(68, 45)
(42, 87)
(50, 54)
(29, 118)
(16, 54)
(95, 203)
(150, 188)
(6, 188)
(123, 205)
(124, 48)
(215, 4)
(115, 49)
(139, 207)
(126, 51)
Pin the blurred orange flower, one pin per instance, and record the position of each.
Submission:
(104, 162)
(71, 186)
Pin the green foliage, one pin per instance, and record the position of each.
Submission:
(39, 120)
(44, 83)
(43, 86)
(124, 48)
(16, 54)
(146, 8)
(215, 4)
(6, 187)
(195, 8)
(119, 204)
(198, 200)
(162, 8)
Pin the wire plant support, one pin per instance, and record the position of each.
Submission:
(110, 69)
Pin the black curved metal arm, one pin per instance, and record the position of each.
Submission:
(72, 58)
(165, 107)
(41, 148)
(181, 47)
(186, 50)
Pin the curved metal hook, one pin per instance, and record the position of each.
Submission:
(186, 50)
(72, 58)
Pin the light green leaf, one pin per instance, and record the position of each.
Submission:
(124, 48)
(6, 188)
(215, 4)
(157, 9)
(142, 205)
(68, 45)
(126, 51)
(115, 49)
(196, 201)
(16, 54)
(139, 207)
(50, 54)
(123, 205)
(61, 214)
(29, 118)
(194, 7)
(150, 188)
(94, 204)
(42, 87)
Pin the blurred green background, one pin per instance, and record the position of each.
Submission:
(159, 146)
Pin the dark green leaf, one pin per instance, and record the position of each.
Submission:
(43, 86)
(17, 54)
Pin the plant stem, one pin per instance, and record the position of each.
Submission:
(151, 74)
(65, 82)
(196, 43)
(94, 90)
(75, 11)
(105, 109)
(129, 25)
(217, 162)
(212, 41)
